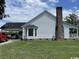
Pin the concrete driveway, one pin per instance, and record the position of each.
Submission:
(10, 41)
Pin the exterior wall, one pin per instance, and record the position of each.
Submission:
(24, 33)
(46, 27)
(66, 31)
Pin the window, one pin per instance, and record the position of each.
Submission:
(30, 32)
(73, 32)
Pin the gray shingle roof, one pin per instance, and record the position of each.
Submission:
(31, 26)
(13, 25)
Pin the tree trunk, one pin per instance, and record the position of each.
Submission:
(59, 31)
(2, 5)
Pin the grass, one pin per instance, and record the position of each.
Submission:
(40, 50)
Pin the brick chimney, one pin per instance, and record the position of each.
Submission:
(59, 31)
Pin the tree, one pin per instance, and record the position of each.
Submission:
(2, 5)
(59, 32)
(72, 19)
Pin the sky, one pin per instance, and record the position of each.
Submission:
(25, 10)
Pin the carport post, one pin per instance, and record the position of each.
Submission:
(77, 32)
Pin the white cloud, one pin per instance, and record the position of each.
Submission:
(55, 1)
(75, 7)
(31, 8)
(77, 12)
(65, 12)
(28, 9)
(73, 1)
(36, 3)
(70, 11)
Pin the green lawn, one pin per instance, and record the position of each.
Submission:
(40, 50)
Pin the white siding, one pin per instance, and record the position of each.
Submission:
(46, 27)
(66, 31)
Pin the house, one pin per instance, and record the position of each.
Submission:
(43, 27)
(13, 28)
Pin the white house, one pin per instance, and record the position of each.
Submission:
(43, 26)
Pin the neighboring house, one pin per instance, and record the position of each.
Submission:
(43, 27)
(12, 27)
(2, 22)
